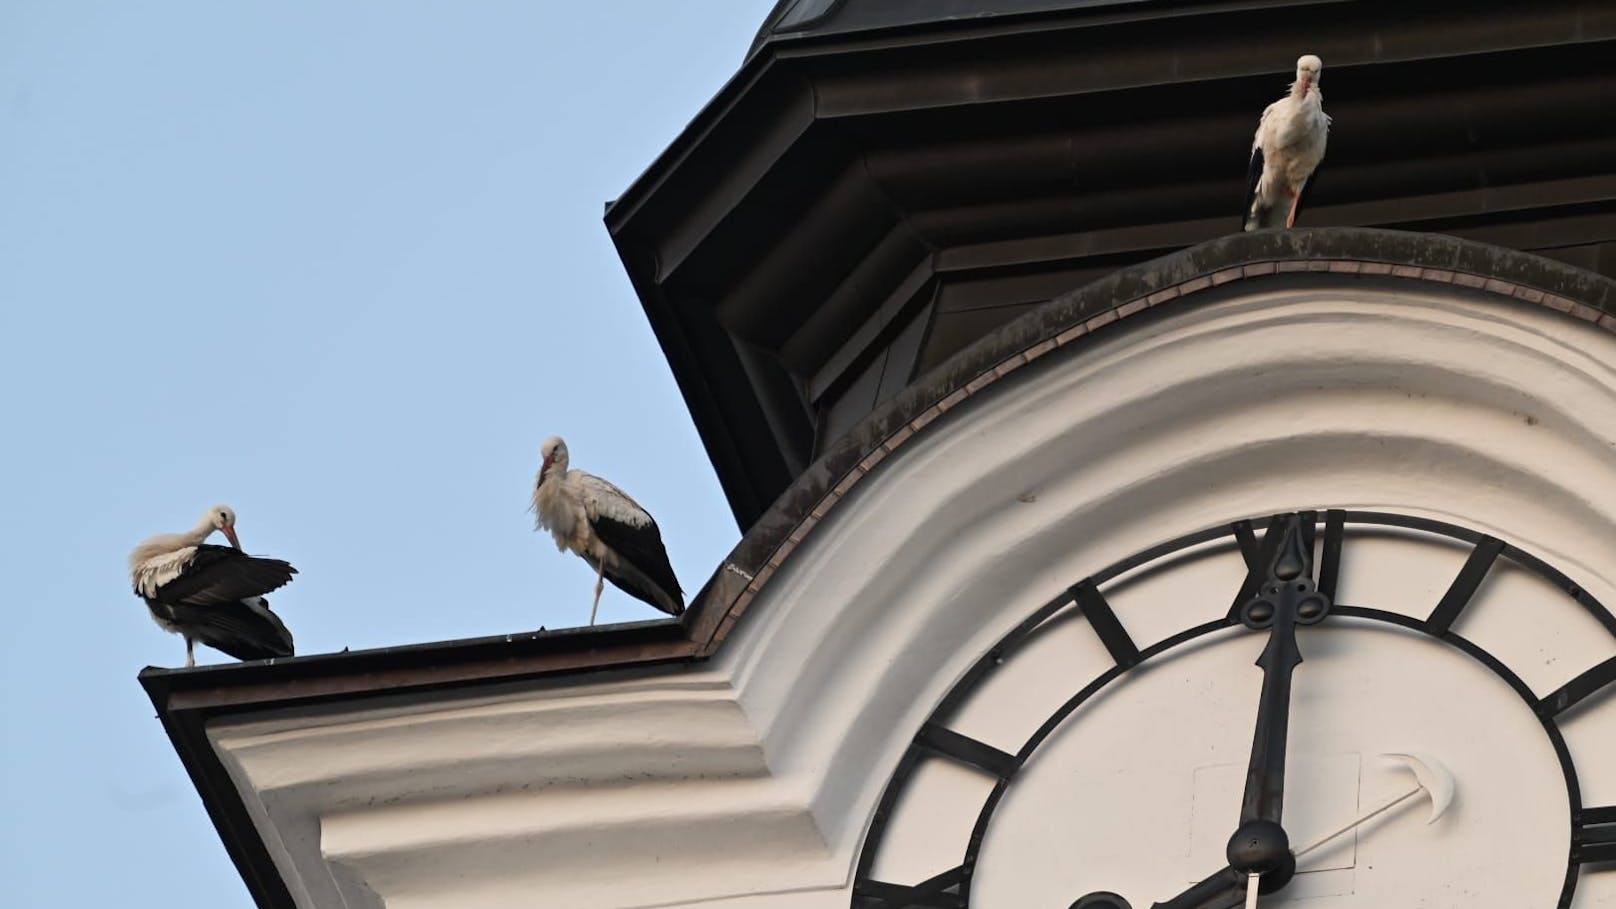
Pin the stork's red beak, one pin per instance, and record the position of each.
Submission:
(544, 468)
(230, 532)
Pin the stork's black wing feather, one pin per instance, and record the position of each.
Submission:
(1253, 177)
(245, 629)
(219, 575)
(641, 546)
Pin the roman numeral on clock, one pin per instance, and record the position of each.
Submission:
(1260, 555)
(1575, 691)
(950, 744)
(1104, 621)
(932, 892)
(1464, 586)
(1330, 553)
(1257, 555)
(1594, 839)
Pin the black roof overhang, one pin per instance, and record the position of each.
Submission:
(837, 181)
(187, 700)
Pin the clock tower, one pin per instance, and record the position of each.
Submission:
(1095, 554)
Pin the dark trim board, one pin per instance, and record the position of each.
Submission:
(242, 842)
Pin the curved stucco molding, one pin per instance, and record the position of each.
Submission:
(377, 802)
(1318, 393)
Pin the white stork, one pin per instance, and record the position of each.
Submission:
(599, 523)
(1288, 146)
(212, 594)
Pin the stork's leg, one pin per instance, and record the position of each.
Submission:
(1290, 219)
(190, 653)
(600, 584)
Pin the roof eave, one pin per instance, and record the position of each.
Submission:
(187, 700)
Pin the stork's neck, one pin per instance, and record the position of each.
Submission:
(1301, 87)
(554, 476)
(547, 492)
(203, 529)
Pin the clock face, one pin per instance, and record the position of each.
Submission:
(1105, 751)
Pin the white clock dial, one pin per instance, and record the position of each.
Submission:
(1102, 751)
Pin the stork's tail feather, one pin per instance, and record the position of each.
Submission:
(263, 636)
(255, 650)
(636, 584)
(1263, 216)
(246, 630)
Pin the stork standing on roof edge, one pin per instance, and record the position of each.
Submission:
(599, 523)
(212, 594)
(602, 525)
(1287, 148)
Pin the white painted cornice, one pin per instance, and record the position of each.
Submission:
(750, 780)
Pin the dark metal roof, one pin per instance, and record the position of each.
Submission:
(188, 699)
(803, 18)
(858, 204)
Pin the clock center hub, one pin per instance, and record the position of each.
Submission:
(1258, 847)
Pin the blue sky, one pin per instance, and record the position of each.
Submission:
(341, 266)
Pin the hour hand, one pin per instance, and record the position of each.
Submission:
(1227, 888)
(1223, 889)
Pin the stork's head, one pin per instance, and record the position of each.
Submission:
(1308, 68)
(554, 453)
(223, 518)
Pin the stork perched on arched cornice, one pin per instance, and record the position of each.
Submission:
(1287, 148)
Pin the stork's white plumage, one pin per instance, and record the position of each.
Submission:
(1287, 148)
(599, 523)
(212, 594)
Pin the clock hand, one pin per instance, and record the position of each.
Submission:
(1286, 599)
(1430, 777)
(1224, 888)
(1228, 888)
(1101, 899)
(1259, 853)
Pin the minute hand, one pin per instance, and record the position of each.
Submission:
(1265, 778)
(1286, 599)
